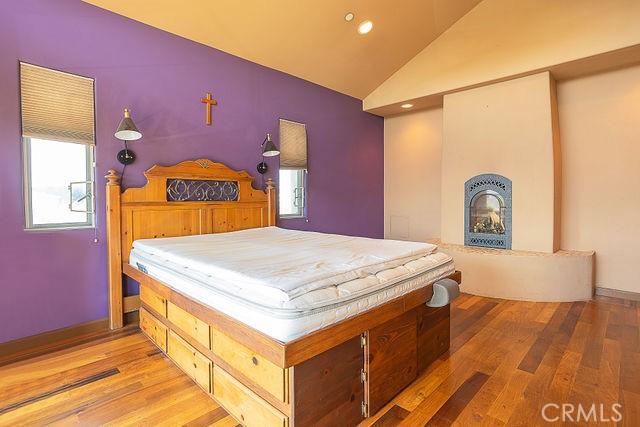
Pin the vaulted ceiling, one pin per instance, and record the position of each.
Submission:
(308, 39)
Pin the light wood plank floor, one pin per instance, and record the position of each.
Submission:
(507, 360)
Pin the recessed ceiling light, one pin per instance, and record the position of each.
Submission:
(365, 27)
(349, 17)
(406, 105)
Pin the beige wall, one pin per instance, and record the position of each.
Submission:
(503, 38)
(600, 145)
(507, 129)
(600, 140)
(412, 149)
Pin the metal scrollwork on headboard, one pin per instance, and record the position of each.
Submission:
(196, 190)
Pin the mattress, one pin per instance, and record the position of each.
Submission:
(287, 283)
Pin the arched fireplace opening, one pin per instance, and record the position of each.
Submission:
(488, 211)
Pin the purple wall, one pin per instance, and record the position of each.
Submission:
(50, 280)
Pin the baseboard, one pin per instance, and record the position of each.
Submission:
(21, 344)
(616, 293)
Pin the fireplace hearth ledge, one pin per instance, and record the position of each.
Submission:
(564, 275)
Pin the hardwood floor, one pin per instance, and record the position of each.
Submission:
(507, 360)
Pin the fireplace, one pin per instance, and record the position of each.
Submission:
(487, 215)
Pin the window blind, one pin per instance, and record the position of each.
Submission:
(293, 145)
(56, 105)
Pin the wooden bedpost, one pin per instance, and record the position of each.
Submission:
(271, 202)
(114, 249)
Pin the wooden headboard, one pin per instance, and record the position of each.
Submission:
(192, 197)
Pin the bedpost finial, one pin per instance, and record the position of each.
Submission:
(112, 177)
(270, 184)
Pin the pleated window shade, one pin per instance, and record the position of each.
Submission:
(56, 105)
(293, 145)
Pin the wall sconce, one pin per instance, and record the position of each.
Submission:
(268, 150)
(127, 131)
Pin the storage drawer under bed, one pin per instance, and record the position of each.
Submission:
(189, 324)
(153, 300)
(154, 329)
(244, 404)
(192, 362)
(255, 367)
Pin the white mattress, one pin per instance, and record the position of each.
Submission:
(328, 278)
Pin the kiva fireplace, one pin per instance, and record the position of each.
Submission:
(487, 215)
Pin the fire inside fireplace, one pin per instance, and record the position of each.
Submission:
(488, 211)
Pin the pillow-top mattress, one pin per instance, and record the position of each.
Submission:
(288, 283)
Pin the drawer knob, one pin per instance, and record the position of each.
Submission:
(254, 360)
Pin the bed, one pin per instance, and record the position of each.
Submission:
(281, 327)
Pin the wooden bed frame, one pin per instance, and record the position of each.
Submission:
(338, 375)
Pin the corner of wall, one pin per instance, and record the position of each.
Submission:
(557, 165)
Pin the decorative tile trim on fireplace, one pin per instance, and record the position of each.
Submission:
(487, 211)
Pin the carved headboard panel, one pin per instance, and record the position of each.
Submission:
(192, 197)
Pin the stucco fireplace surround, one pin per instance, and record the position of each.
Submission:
(501, 147)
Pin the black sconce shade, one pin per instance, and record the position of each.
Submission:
(269, 149)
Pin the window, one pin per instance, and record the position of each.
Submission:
(58, 148)
(58, 184)
(293, 169)
(292, 191)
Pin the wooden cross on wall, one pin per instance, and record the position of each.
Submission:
(210, 102)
